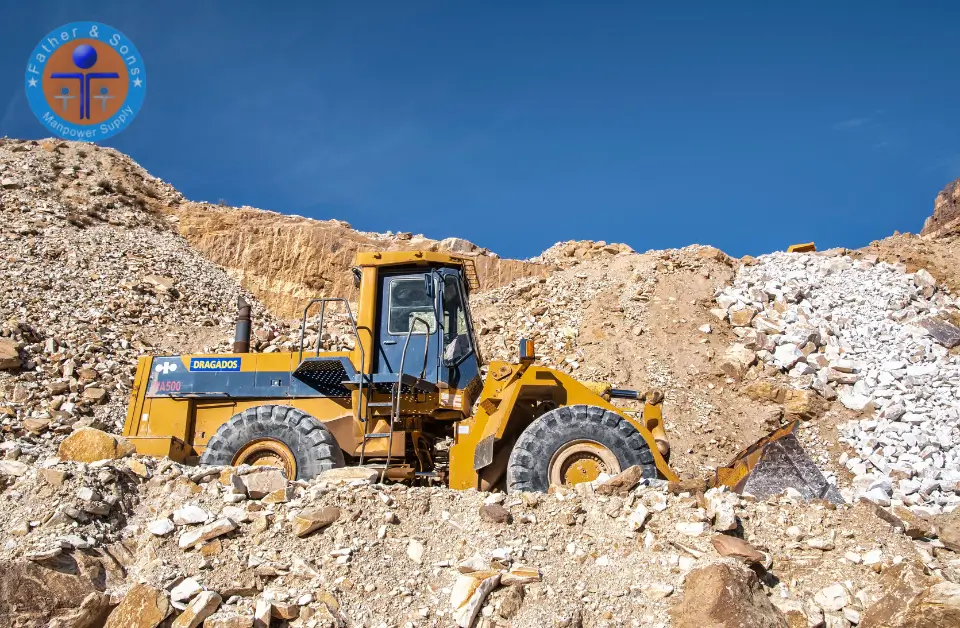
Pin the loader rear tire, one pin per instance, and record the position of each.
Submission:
(310, 444)
(612, 438)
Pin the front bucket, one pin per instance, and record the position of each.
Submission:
(773, 464)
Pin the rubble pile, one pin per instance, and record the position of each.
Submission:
(232, 546)
(81, 300)
(555, 310)
(877, 339)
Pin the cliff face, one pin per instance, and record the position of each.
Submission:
(287, 260)
(946, 212)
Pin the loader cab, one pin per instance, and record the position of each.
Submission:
(427, 304)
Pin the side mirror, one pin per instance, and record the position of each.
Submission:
(357, 274)
(428, 284)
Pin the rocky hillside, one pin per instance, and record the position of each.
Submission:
(102, 262)
(286, 260)
(946, 212)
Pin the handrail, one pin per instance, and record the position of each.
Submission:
(303, 328)
(353, 323)
(398, 386)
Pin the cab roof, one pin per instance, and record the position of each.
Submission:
(396, 258)
(425, 258)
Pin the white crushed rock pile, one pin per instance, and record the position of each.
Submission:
(878, 340)
(339, 551)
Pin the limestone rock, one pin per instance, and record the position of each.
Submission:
(39, 595)
(736, 360)
(90, 445)
(228, 620)
(13, 467)
(160, 527)
(201, 607)
(721, 595)
(898, 586)
(193, 536)
(9, 356)
(803, 404)
(469, 592)
(185, 590)
(285, 611)
(308, 521)
(520, 575)
(189, 515)
(948, 529)
(142, 607)
(259, 484)
(345, 475)
(737, 548)
(622, 483)
(415, 551)
(495, 513)
(832, 598)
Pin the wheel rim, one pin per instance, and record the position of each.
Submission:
(267, 452)
(582, 461)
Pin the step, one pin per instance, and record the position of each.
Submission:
(380, 404)
(391, 378)
(377, 435)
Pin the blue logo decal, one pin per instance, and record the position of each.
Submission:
(214, 364)
(85, 81)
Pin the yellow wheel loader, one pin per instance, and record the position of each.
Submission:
(410, 402)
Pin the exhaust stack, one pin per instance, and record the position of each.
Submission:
(241, 340)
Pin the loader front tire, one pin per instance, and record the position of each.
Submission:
(571, 443)
(302, 444)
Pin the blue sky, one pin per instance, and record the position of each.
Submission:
(745, 125)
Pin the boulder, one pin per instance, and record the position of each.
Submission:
(208, 532)
(495, 513)
(13, 467)
(9, 356)
(736, 360)
(935, 606)
(142, 607)
(189, 515)
(228, 620)
(737, 548)
(349, 474)
(832, 598)
(621, 483)
(90, 445)
(95, 395)
(722, 595)
(948, 529)
(201, 607)
(308, 521)
(898, 585)
(65, 590)
(742, 317)
(943, 332)
(765, 390)
(803, 404)
(458, 245)
(259, 484)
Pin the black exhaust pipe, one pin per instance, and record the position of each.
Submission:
(241, 340)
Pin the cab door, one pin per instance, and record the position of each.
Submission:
(405, 303)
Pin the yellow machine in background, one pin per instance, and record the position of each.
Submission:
(408, 400)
